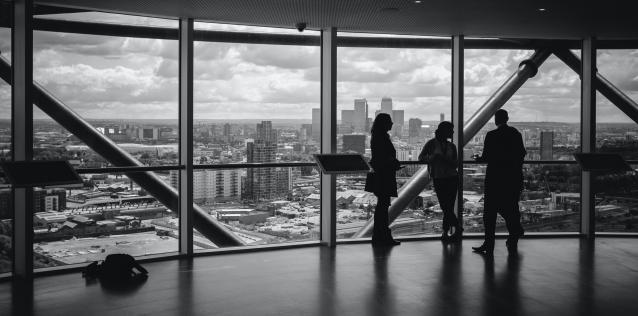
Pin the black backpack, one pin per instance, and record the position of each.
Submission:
(118, 267)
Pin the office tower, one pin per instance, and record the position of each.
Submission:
(316, 124)
(347, 120)
(442, 115)
(43, 200)
(265, 132)
(398, 118)
(210, 186)
(261, 182)
(148, 133)
(547, 145)
(283, 182)
(386, 106)
(226, 130)
(354, 143)
(414, 128)
(360, 116)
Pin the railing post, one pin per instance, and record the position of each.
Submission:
(588, 134)
(457, 115)
(328, 133)
(186, 136)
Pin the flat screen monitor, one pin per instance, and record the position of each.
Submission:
(342, 163)
(24, 174)
(602, 162)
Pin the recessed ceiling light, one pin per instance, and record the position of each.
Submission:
(417, 1)
(542, 9)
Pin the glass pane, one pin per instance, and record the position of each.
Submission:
(108, 213)
(550, 201)
(545, 110)
(255, 99)
(616, 192)
(412, 85)
(356, 206)
(6, 198)
(261, 205)
(125, 88)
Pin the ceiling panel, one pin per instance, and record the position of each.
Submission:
(487, 18)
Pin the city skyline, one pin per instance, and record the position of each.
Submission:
(116, 77)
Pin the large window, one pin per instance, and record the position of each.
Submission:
(617, 193)
(546, 111)
(413, 86)
(6, 198)
(257, 103)
(126, 90)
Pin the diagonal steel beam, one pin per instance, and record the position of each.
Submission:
(105, 147)
(527, 69)
(606, 88)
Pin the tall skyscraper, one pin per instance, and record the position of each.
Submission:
(398, 118)
(386, 105)
(442, 117)
(316, 124)
(414, 128)
(360, 115)
(226, 131)
(347, 120)
(547, 145)
(261, 183)
(354, 143)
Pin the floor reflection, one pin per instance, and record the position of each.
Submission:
(501, 292)
(381, 300)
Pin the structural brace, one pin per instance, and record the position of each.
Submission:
(606, 88)
(421, 178)
(105, 147)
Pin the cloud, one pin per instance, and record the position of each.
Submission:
(103, 76)
(281, 56)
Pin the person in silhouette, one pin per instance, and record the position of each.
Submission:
(503, 151)
(382, 180)
(440, 155)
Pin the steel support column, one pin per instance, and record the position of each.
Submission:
(606, 88)
(186, 136)
(457, 115)
(106, 148)
(588, 134)
(22, 134)
(420, 179)
(328, 134)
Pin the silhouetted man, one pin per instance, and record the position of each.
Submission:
(503, 151)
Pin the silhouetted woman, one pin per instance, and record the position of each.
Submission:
(382, 181)
(440, 154)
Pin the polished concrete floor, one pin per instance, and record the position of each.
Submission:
(548, 277)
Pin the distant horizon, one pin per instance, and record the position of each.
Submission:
(305, 121)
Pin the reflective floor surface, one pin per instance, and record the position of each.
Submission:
(563, 276)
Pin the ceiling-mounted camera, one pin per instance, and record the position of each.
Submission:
(300, 26)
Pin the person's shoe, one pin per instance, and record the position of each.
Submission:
(484, 249)
(512, 244)
(394, 242)
(386, 243)
(457, 236)
(445, 237)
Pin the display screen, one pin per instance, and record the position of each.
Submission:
(39, 173)
(602, 162)
(341, 163)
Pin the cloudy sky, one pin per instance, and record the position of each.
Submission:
(128, 78)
